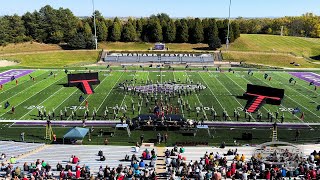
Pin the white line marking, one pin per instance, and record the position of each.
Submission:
(212, 93)
(42, 102)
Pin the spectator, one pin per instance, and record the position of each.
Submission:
(69, 174)
(182, 149)
(141, 164)
(106, 142)
(77, 173)
(25, 167)
(75, 160)
(102, 158)
(13, 160)
(2, 156)
(59, 167)
(62, 174)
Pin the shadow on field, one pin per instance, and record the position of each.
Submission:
(240, 97)
(64, 84)
(203, 48)
(315, 57)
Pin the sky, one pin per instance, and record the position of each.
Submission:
(174, 8)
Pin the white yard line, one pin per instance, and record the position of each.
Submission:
(213, 93)
(160, 75)
(282, 105)
(76, 89)
(127, 92)
(245, 90)
(196, 95)
(180, 104)
(316, 94)
(303, 96)
(42, 102)
(231, 94)
(20, 84)
(25, 90)
(32, 95)
(87, 96)
(109, 92)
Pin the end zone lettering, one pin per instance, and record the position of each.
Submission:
(6, 76)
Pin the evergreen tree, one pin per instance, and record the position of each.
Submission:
(102, 30)
(170, 32)
(87, 32)
(154, 30)
(235, 29)
(139, 28)
(78, 42)
(182, 34)
(129, 32)
(197, 32)
(115, 33)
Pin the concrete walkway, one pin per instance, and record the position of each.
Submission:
(161, 165)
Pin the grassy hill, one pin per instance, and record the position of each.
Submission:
(28, 47)
(54, 59)
(250, 48)
(299, 46)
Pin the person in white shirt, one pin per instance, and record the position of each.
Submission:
(168, 161)
(262, 167)
(244, 175)
(39, 166)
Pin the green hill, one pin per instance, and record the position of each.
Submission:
(299, 46)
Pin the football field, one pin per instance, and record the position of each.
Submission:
(40, 91)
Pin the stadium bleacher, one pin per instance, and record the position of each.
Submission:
(88, 155)
(160, 58)
(10, 148)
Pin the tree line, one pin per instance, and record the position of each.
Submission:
(306, 25)
(49, 25)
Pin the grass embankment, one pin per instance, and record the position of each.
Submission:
(275, 50)
(278, 60)
(28, 47)
(54, 59)
(299, 46)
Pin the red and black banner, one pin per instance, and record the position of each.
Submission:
(84, 81)
(257, 96)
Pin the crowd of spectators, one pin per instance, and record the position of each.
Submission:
(235, 166)
(138, 168)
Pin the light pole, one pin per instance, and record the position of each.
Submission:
(227, 41)
(95, 27)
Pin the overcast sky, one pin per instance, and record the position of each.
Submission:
(175, 8)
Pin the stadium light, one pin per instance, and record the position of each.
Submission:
(227, 41)
(95, 27)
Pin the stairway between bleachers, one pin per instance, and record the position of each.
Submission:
(161, 165)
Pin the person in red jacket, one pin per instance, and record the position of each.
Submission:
(69, 174)
(75, 160)
(62, 174)
(268, 174)
(78, 173)
(313, 174)
(144, 155)
(25, 177)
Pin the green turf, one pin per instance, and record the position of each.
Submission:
(217, 135)
(221, 93)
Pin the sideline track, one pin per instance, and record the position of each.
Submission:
(209, 123)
